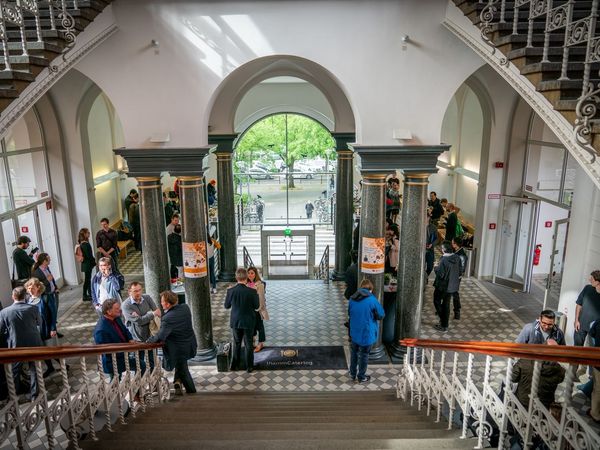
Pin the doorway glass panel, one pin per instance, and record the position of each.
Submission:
(10, 241)
(28, 227)
(48, 238)
(517, 233)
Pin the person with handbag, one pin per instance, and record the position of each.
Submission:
(447, 282)
(22, 261)
(42, 301)
(140, 312)
(255, 282)
(41, 271)
(84, 254)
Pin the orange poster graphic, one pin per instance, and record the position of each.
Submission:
(194, 259)
(373, 255)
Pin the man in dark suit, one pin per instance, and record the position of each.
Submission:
(243, 302)
(111, 330)
(19, 326)
(177, 334)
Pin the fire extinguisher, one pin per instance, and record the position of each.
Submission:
(536, 254)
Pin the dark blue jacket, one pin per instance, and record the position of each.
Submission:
(47, 308)
(178, 336)
(364, 311)
(105, 333)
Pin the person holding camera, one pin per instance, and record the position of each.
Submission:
(22, 260)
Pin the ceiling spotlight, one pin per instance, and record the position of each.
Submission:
(154, 43)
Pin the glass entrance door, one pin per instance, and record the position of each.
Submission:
(514, 251)
(557, 259)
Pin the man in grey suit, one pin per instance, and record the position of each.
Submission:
(19, 325)
(243, 302)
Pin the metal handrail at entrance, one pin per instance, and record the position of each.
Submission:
(247, 258)
(432, 381)
(322, 272)
(86, 395)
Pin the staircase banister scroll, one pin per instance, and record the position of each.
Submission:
(558, 353)
(69, 351)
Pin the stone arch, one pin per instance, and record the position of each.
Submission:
(223, 104)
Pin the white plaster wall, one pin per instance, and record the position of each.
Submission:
(268, 97)
(169, 88)
(499, 101)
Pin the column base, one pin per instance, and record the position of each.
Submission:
(226, 276)
(377, 352)
(338, 276)
(205, 354)
(397, 352)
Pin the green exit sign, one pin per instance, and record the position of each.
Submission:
(287, 232)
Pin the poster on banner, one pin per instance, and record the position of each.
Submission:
(373, 255)
(194, 259)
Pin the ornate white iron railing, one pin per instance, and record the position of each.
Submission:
(82, 396)
(428, 381)
(575, 23)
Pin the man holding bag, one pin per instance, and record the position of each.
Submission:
(140, 313)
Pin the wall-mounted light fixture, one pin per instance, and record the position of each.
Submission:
(405, 39)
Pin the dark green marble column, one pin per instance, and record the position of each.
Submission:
(226, 206)
(197, 289)
(344, 208)
(154, 240)
(371, 248)
(411, 266)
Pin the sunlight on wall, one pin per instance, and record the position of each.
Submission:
(243, 39)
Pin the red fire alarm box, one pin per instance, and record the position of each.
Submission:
(492, 226)
(548, 224)
(499, 164)
(24, 229)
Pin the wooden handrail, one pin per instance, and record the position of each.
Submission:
(559, 353)
(23, 354)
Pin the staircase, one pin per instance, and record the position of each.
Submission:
(268, 420)
(33, 33)
(549, 43)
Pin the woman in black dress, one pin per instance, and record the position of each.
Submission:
(85, 255)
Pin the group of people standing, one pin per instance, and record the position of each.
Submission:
(248, 305)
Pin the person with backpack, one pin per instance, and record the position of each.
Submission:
(457, 246)
(106, 284)
(447, 281)
(84, 255)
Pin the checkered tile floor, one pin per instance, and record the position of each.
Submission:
(307, 313)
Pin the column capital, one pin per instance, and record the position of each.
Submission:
(223, 143)
(149, 162)
(408, 158)
(342, 139)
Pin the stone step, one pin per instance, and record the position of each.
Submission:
(126, 443)
(150, 434)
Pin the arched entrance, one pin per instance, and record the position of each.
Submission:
(231, 110)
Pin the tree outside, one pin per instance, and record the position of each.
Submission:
(266, 141)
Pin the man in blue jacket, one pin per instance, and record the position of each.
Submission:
(364, 311)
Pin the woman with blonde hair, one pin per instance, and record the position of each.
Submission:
(47, 308)
(254, 281)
